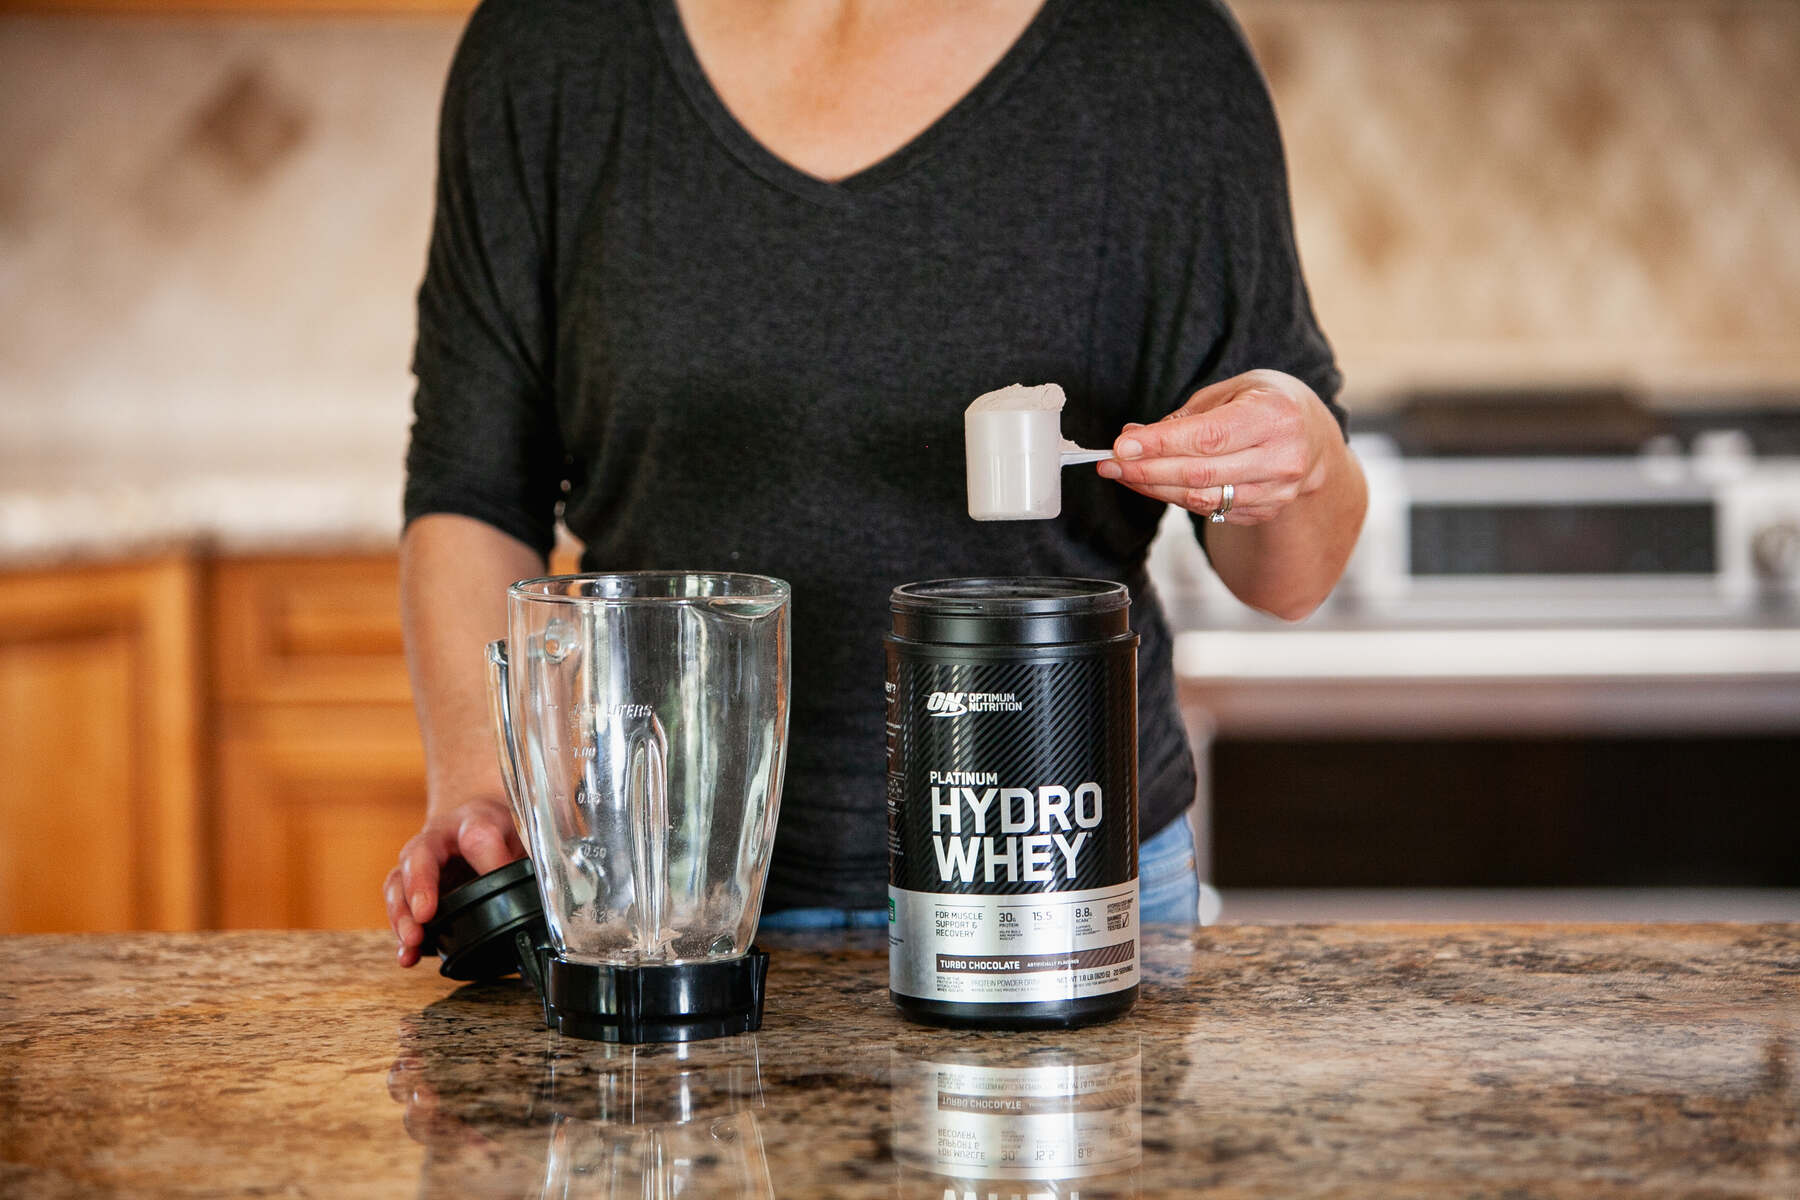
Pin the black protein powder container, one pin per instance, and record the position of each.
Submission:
(1012, 802)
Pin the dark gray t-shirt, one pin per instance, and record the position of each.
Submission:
(713, 361)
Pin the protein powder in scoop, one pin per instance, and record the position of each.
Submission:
(1014, 453)
(1012, 802)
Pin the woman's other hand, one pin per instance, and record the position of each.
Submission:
(454, 572)
(479, 833)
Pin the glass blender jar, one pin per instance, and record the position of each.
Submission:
(642, 719)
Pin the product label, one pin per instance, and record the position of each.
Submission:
(1012, 827)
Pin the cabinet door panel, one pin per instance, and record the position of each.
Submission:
(314, 805)
(345, 843)
(68, 802)
(309, 631)
(99, 775)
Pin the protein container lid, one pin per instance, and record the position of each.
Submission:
(1010, 611)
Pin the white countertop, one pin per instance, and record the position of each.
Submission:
(1280, 906)
(1551, 682)
(232, 512)
(1628, 652)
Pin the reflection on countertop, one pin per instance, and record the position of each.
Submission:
(1353, 1060)
(594, 1120)
(1058, 1119)
(606, 1121)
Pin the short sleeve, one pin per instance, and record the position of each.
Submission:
(1268, 317)
(485, 441)
(1231, 283)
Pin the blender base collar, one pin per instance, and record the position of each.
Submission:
(494, 925)
(684, 1002)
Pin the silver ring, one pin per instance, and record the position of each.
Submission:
(1226, 495)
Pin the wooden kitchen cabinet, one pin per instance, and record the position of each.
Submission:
(319, 769)
(194, 742)
(100, 756)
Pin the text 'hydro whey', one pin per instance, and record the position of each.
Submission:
(1012, 802)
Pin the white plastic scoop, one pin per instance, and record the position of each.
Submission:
(1015, 452)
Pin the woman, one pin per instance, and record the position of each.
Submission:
(719, 279)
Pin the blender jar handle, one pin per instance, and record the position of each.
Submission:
(500, 703)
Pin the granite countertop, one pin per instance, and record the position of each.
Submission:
(1385, 1061)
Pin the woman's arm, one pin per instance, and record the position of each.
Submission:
(1299, 495)
(454, 572)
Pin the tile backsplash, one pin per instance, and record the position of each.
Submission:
(210, 236)
(211, 230)
(1515, 190)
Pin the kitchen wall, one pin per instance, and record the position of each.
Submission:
(210, 230)
(1518, 190)
(210, 235)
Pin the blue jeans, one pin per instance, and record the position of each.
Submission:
(1168, 890)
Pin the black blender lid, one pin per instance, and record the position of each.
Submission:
(473, 931)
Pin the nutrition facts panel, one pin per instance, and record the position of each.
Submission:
(1011, 948)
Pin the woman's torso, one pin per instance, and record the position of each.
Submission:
(755, 369)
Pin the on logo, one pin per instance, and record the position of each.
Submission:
(946, 704)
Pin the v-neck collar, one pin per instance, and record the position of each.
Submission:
(743, 145)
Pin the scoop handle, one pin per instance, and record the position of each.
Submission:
(1078, 455)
